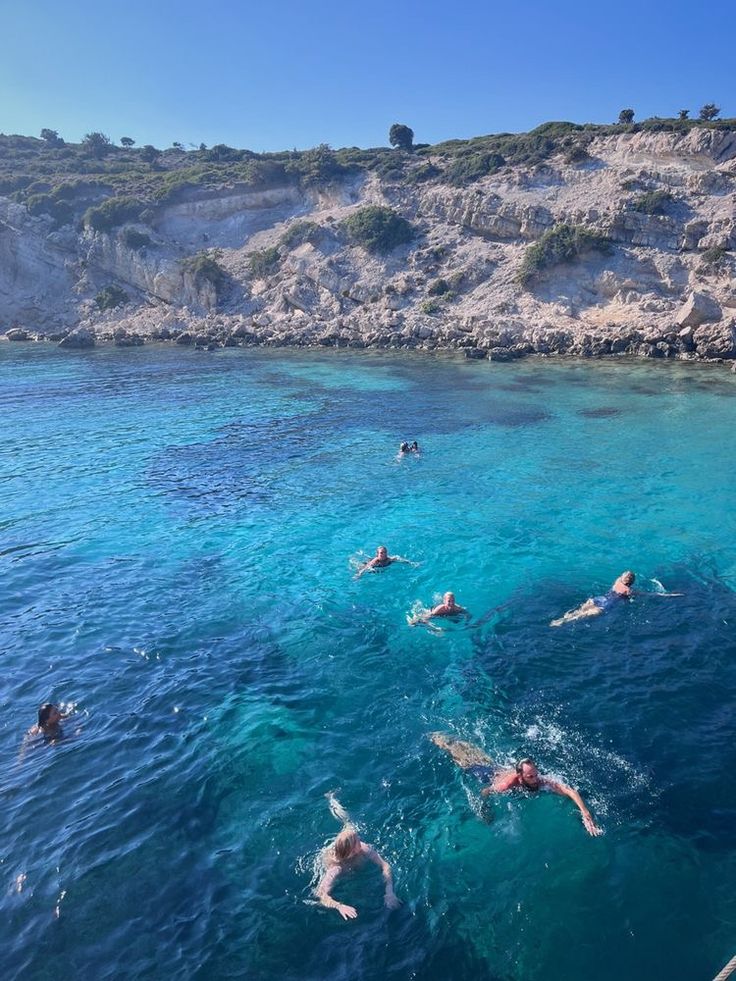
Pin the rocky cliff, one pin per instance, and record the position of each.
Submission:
(665, 286)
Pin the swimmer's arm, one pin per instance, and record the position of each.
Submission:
(323, 894)
(368, 567)
(501, 783)
(561, 788)
(25, 745)
(390, 898)
(645, 592)
(400, 558)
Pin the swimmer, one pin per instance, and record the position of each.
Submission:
(414, 448)
(620, 591)
(524, 776)
(346, 853)
(404, 448)
(447, 608)
(381, 560)
(48, 727)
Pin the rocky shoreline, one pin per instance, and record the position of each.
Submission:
(689, 339)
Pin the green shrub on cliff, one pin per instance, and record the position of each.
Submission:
(48, 204)
(378, 229)
(651, 202)
(300, 232)
(135, 239)
(112, 213)
(438, 288)
(263, 262)
(204, 268)
(111, 297)
(320, 165)
(713, 257)
(563, 243)
(466, 169)
(577, 154)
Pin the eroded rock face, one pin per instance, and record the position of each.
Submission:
(699, 309)
(456, 287)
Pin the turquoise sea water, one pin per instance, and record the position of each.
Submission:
(177, 530)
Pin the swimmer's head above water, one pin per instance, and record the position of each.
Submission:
(528, 774)
(449, 599)
(347, 844)
(49, 716)
(627, 578)
(381, 552)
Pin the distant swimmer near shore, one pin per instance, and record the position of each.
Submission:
(345, 854)
(620, 591)
(525, 776)
(382, 560)
(447, 608)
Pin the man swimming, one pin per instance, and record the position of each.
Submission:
(525, 775)
(346, 853)
(620, 591)
(447, 608)
(381, 560)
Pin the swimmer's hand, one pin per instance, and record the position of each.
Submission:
(346, 912)
(591, 827)
(391, 900)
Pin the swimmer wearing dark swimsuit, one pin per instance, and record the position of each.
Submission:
(484, 773)
(609, 599)
(593, 607)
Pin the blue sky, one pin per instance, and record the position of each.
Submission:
(282, 74)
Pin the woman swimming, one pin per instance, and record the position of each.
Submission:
(593, 607)
(346, 853)
(447, 608)
(620, 591)
(381, 560)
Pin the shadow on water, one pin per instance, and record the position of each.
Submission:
(600, 413)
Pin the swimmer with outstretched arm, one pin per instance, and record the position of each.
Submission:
(348, 852)
(381, 560)
(447, 608)
(620, 591)
(525, 776)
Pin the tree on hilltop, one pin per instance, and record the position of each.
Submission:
(126, 142)
(709, 111)
(683, 113)
(401, 136)
(626, 116)
(51, 137)
(96, 144)
(149, 153)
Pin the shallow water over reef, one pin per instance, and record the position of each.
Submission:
(177, 531)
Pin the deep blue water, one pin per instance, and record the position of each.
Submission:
(177, 530)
